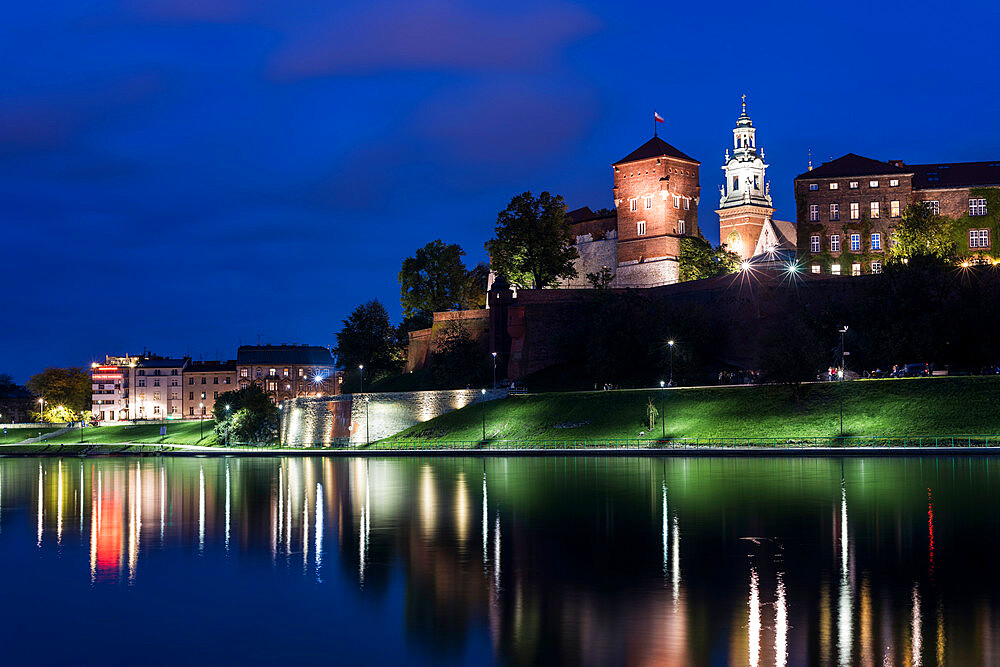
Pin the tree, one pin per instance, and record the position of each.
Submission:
(601, 279)
(790, 353)
(69, 387)
(534, 242)
(475, 287)
(433, 279)
(698, 259)
(458, 360)
(246, 416)
(921, 232)
(368, 338)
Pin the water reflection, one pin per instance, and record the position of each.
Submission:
(791, 561)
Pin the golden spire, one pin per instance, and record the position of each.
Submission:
(744, 103)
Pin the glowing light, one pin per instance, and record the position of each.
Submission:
(461, 509)
(675, 560)
(201, 508)
(780, 625)
(965, 264)
(745, 265)
(319, 529)
(485, 519)
(917, 645)
(670, 343)
(753, 627)
(666, 530)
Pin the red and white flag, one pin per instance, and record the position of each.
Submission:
(657, 117)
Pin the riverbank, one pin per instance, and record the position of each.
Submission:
(939, 406)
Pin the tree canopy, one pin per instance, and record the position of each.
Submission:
(433, 279)
(68, 387)
(698, 259)
(533, 246)
(246, 416)
(921, 232)
(368, 338)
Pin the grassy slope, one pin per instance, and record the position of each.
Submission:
(19, 434)
(924, 406)
(178, 432)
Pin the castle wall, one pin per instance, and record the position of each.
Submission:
(594, 254)
(424, 342)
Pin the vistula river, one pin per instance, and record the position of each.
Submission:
(535, 560)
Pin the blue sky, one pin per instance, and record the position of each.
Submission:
(184, 175)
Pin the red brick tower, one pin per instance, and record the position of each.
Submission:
(656, 193)
(745, 202)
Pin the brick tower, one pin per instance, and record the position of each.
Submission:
(745, 202)
(656, 194)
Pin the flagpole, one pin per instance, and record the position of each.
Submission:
(654, 122)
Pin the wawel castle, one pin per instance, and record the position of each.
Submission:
(846, 211)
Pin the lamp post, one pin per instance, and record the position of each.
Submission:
(484, 411)
(671, 344)
(367, 431)
(229, 425)
(842, 330)
(494, 370)
(663, 423)
(41, 409)
(361, 377)
(201, 421)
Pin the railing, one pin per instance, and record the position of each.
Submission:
(845, 442)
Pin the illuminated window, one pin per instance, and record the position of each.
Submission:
(979, 238)
(301, 372)
(894, 209)
(876, 241)
(873, 208)
(855, 210)
(855, 242)
(813, 213)
(272, 386)
(814, 243)
(244, 372)
(648, 201)
(834, 186)
(853, 185)
(934, 205)
(873, 184)
(815, 268)
(156, 395)
(876, 267)
(835, 269)
(893, 182)
(677, 201)
(272, 372)
(977, 207)
(814, 186)
(680, 227)
(855, 269)
(633, 204)
(834, 212)
(203, 396)
(835, 243)
(640, 228)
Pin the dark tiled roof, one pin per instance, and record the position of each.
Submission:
(284, 354)
(579, 215)
(160, 363)
(852, 165)
(955, 174)
(655, 147)
(211, 367)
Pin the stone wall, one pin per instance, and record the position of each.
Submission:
(350, 418)
(424, 342)
(593, 256)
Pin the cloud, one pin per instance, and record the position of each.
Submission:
(431, 35)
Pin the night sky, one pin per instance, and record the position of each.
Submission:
(187, 175)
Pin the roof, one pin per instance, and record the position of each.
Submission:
(160, 363)
(852, 165)
(211, 367)
(955, 174)
(788, 232)
(655, 147)
(313, 355)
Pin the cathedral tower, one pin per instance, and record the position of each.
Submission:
(745, 204)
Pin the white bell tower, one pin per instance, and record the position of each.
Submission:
(745, 169)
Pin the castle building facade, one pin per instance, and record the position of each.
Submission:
(848, 209)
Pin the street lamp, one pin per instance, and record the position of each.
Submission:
(484, 409)
(840, 375)
(361, 373)
(41, 410)
(671, 344)
(229, 425)
(663, 423)
(367, 431)
(201, 421)
(494, 370)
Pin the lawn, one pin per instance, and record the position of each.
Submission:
(911, 407)
(178, 432)
(19, 434)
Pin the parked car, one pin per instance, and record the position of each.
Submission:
(912, 370)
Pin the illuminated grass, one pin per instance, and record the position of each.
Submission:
(19, 434)
(913, 407)
(178, 432)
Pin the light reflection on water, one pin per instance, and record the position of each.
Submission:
(582, 561)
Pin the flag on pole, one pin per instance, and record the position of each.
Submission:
(657, 117)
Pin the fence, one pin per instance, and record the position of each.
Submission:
(846, 442)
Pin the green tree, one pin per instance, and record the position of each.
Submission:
(69, 387)
(368, 338)
(534, 242)
(698, 259)
(459, 360)
(790, 353)
(475, 287)
(601, 279)
(246, 416)
(921, 232)
(434, 279)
